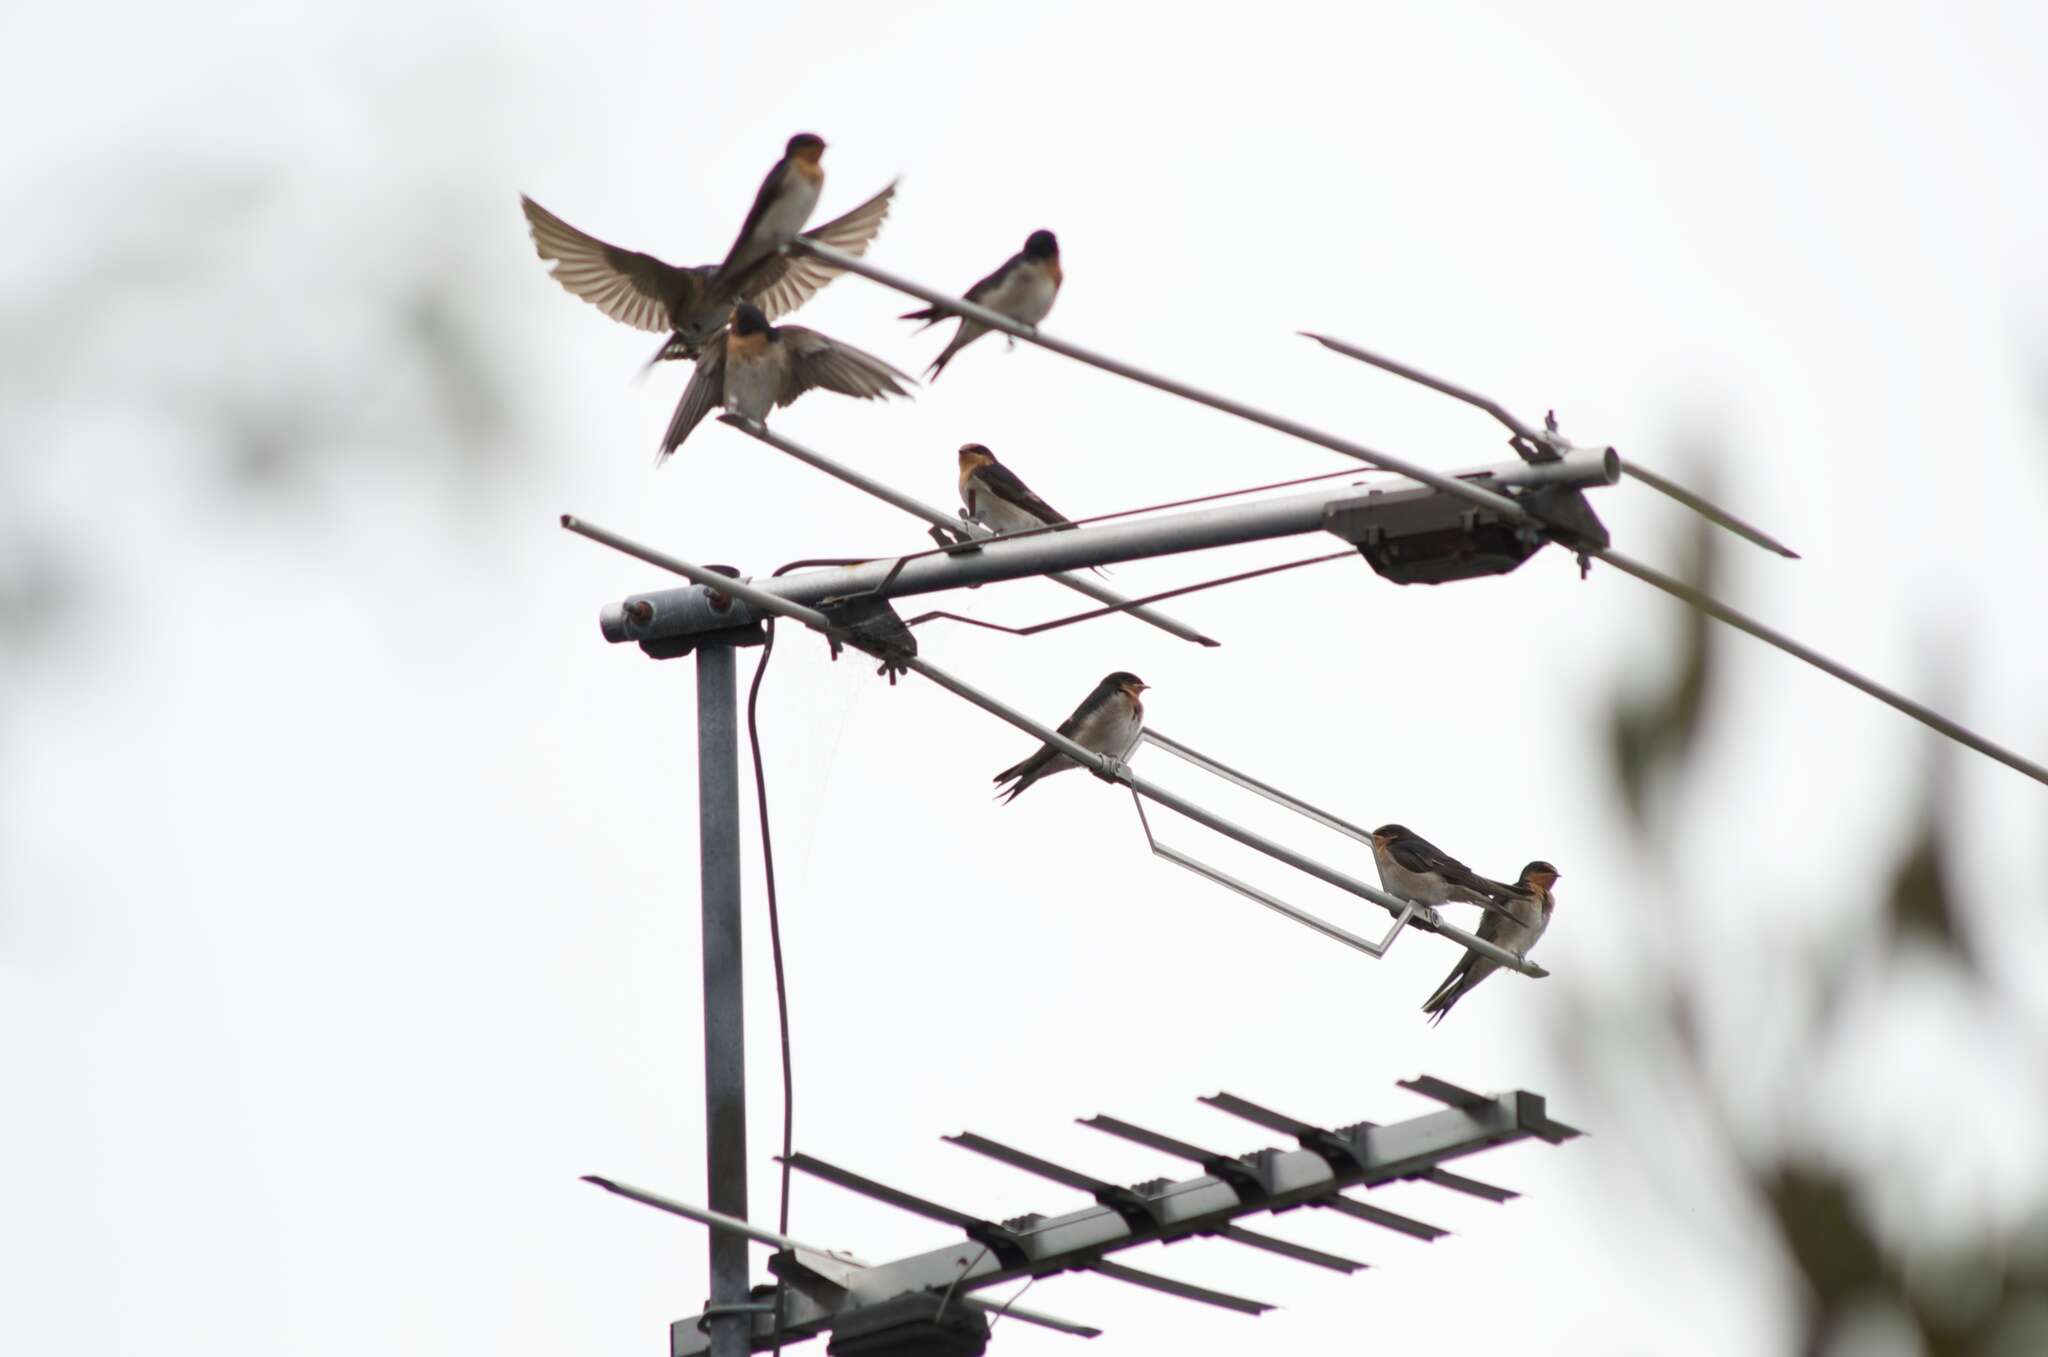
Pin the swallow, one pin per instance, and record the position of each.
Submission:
(1529, 905)
(1022, 289)
(994, 496)
(782, 204)
(1108, 721)
(752, 367)
(691, 303)
(1416, 869)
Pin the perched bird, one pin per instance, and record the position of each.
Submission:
(1529, 903)
(1413, 867)
(1108, 721)
(751, 367)
(1022, 289)
(994, 496)
(691, 303)
(782, 204)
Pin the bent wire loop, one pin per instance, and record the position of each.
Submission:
(1408, 910)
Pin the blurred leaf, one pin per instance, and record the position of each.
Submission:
(463, 376)
(1649, 737)
(1921, 905)
(36, 588)
(1823, 1231)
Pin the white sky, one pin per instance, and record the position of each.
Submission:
(347, 880)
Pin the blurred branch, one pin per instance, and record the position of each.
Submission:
(1992, 1298)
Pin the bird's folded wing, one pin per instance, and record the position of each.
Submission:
(818, 361)
(635, 289)
(705, 392)
(781, 283)
(983, 290)
(1005, 484)
(764, 197)
(1420, 855)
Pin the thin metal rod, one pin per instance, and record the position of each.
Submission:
(1138, 1135)
(717, 1222)
(882, 1192)
(1421, 378)
(917, 508)
(747, 593)
(1707, 510)
(1499, 504)
(1380, 1216)
(1544, 439)
(1252, 784)
(1030, 1163)
(1287, 1248)
(1272, 902)
(725, 1045)
(1152, 1281)
(1471, 1187)
(1093, 613)
(1263, 1116)
(1445, 1092)
(1927, 716)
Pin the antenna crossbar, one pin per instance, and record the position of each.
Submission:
(1082, 1240)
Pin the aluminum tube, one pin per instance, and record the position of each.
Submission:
(1927, 716)
(682, 611)
(1487, 499)
(1418, 376)
(919, 509)
(1710, 511)
(725, 1047)
(678, 612)
(759, 599)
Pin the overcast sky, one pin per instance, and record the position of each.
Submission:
(348, 881)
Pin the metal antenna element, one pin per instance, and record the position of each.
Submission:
(995, 320)
(827, 1289)
(1250, 892)
(919, 509)
(1408, 913)
(1178, 591)
(1537, 443)
(675, 614)
(1720, 611)
(813, 1258)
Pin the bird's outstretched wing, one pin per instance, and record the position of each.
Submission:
(1005, 484)
(705, 393)
(781, 283)
(633, 288)
(817, 360)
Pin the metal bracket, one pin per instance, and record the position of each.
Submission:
(1250, 892)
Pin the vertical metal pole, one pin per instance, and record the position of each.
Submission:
(725, 1071)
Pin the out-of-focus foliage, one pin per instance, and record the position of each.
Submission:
(1650, 734)
(1861, 1286)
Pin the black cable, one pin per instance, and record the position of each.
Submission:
(774, 946)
